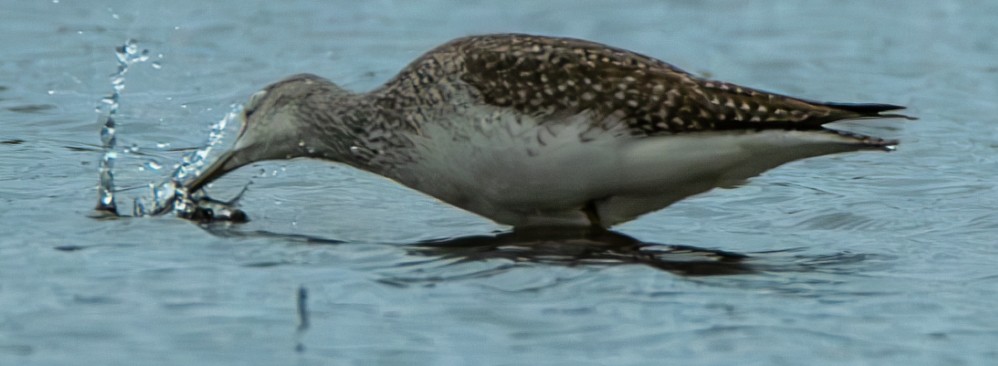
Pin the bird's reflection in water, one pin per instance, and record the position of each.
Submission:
(572, 246)
(567, 247)
(556, 246)
(588, 247)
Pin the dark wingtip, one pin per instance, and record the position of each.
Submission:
(871, 109)
(865, 108)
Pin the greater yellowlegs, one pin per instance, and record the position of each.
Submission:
(542, 131)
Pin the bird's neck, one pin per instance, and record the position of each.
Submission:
(347, 126)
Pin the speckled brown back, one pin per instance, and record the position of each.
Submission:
(548, 77)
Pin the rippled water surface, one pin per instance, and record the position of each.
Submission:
(866, 258)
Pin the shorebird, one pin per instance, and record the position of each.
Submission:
(534, 131)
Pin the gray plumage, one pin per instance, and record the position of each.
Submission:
(491, 124)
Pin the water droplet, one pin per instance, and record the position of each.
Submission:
(107, 133)
(138, 209)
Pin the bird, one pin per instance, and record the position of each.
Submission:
(540, 131)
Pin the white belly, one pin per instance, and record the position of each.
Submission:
(535, 175)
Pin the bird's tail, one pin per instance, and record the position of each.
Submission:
(868, 110)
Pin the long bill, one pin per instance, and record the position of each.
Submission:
(226, 162)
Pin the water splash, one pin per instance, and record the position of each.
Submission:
(127, 54)
(165, 195)
(171, 195)
(303, 323)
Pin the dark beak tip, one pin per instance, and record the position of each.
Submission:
(216, 170)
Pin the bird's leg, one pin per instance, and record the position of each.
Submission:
(592, 214)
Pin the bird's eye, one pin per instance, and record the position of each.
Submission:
(253, 103)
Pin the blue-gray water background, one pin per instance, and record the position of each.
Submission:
(872, 258)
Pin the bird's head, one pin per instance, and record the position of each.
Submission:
(278, 123)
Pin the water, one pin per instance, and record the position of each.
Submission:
(857, 259)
